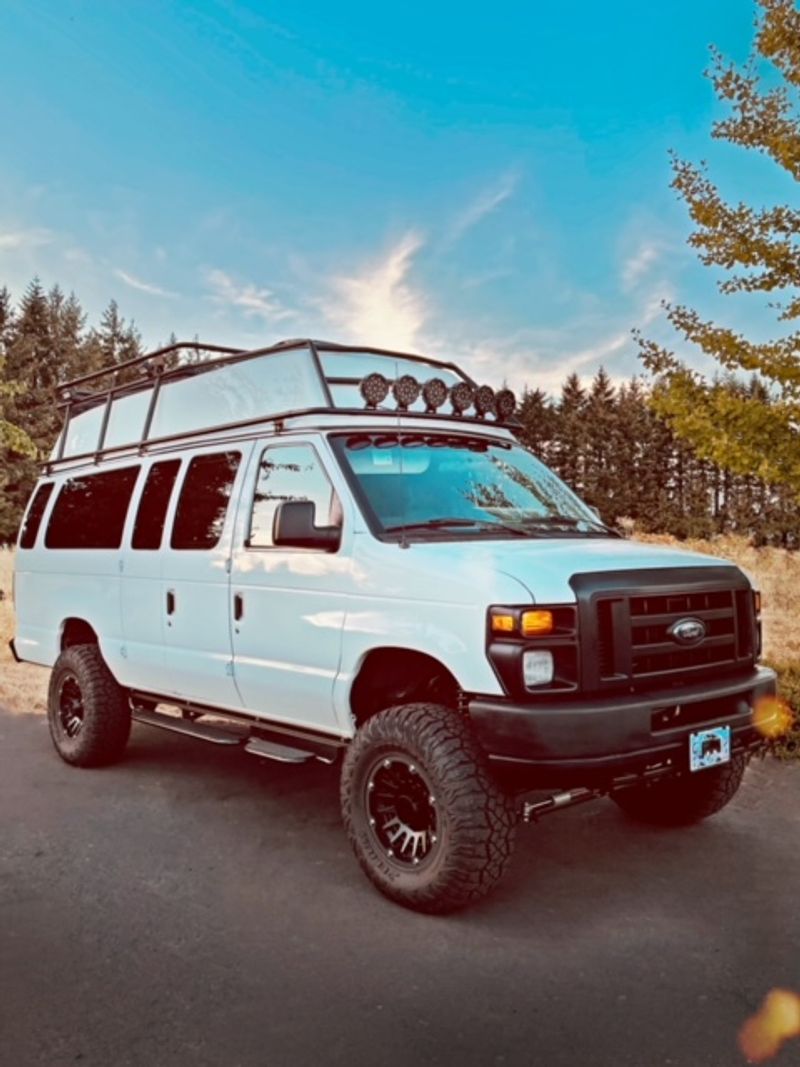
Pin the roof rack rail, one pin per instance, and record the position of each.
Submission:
(158, 358)
(241, 387)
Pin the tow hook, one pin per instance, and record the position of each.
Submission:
(533, 811)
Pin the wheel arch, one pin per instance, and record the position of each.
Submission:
(76, 631)
(396, 675)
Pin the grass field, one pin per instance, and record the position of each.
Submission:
(23, 687)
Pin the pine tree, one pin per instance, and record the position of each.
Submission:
(537, 420)
(16, 447)
(113, 343)
(751, 434)
(568, 452)
(600, 478)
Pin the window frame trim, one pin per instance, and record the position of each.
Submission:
(134, 518)
(136, 467)
(258, 456)
(240, 448)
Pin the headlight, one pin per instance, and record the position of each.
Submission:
(537, 668)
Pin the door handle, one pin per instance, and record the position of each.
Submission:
(170, 602)
(238, 606)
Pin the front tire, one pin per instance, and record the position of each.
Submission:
(686, 799)
(87, 710)
(430, 827)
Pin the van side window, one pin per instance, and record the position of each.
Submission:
(154, 503)
(90, 510)
(33, 519)
(203, 502)
(290, 472)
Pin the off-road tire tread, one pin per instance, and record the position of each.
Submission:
(107, 721)
(684, 800)
(481, 817)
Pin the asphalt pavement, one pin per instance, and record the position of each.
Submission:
(196, 906)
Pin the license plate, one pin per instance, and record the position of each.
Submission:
(709, 748)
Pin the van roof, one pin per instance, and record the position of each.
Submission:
(189, 388)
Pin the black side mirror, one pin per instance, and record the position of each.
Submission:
(293, 527)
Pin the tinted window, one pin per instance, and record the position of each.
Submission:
(291, 472)
(90, 511)
(30, 527)
(203, 502)
(154, 503)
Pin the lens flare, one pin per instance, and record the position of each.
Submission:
(772, 717)
(776, 1021)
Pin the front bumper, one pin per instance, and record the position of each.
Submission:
(611, 737)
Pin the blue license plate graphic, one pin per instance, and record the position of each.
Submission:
(709, 748)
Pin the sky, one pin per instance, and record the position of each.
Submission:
(487, 183)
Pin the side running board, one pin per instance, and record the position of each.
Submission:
(257, 746)
(217, 735)
(259, 739)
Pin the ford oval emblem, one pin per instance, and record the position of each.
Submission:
(687, 631)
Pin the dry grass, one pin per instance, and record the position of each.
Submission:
(23, 687)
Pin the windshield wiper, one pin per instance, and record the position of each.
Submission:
(444, 523)
(596, 526)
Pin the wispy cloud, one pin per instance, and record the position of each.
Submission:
(639, 263)
(255, 301)
(485, 203)
(143, 287)
(379, 305)
(13, 240)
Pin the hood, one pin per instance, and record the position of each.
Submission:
(544, 567)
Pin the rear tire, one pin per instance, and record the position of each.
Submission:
(686, 799)
(429, 825)
(87, 710)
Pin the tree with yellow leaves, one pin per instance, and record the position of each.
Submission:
(750, 430)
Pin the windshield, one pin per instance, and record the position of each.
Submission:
(459, 485)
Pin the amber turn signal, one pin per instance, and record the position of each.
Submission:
(757, 601)
(537, 623)
(503, 624)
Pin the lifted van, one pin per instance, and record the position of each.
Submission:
(316, 552)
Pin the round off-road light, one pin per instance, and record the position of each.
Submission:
(374, 389)
(505, 404)
(485, 401)
(461, 397)
(434, 393)
(406, 391)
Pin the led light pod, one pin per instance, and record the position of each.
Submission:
(505, 404)
(485, 401)
(461, 397)
(374, 389)
(434, 393)
(406, 391)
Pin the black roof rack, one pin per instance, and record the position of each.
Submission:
(165, 365)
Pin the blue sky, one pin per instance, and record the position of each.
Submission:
(487, 183)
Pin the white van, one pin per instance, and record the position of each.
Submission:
(313, 552)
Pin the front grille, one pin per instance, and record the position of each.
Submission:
(627, 619)
(653, 651)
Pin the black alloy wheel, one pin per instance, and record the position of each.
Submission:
(429, 824)
(87, 710)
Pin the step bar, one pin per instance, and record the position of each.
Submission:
(265, 740)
